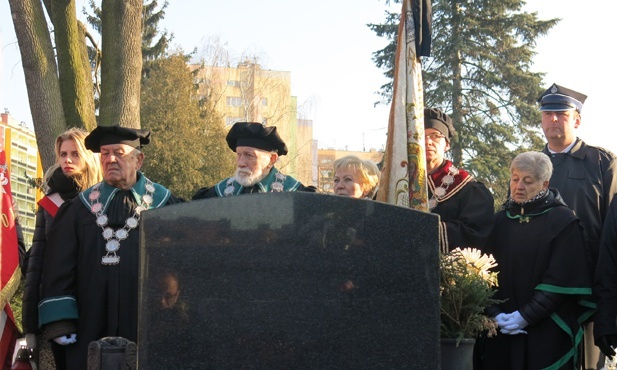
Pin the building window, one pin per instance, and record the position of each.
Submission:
(234, 101)
(233, 83)
(229, 121)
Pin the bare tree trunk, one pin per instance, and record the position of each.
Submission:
(122, 62)
(88, 106)
(40, 73)
(75, 79)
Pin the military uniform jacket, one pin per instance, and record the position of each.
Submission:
(586, 178)
(80, 294)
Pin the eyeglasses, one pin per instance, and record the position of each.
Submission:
(434, 137)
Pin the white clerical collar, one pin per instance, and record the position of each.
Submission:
(567, 149)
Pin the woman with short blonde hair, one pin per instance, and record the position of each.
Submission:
(356, 178)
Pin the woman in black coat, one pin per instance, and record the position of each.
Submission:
(76, 169)
(543, 279)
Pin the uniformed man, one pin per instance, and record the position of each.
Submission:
(257, 148)
(586, 176)
(89, 289)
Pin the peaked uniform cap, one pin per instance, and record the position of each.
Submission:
(558, 99)
(255, 135)
(435, 118)
(106, 135)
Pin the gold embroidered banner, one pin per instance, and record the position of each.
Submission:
(403, 180)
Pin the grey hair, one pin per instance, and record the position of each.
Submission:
(536, 163)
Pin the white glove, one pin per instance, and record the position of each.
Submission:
(501, 319)
(31, 341)
(514, 322)
(66, 339)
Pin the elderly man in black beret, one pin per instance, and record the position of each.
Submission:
(91, 260)
(257, 149)
(465, 206)
(586, 177)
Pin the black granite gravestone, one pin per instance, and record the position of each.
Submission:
(288, 281)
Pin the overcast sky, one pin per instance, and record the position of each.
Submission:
(327, 48)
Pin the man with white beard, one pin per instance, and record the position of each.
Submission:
(257, 149)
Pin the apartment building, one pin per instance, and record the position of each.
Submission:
(249, 93)
(24, 165)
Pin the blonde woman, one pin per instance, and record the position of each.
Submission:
(75, 170)
(356, 178)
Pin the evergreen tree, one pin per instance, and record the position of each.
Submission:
(188, 150)
(479, 73)
(151, 47)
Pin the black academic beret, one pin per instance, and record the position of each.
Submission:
(106, 135)
(435, 118)
(558, 98)
(255, 135)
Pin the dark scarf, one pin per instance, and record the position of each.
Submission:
(64, 185)
(540, 204)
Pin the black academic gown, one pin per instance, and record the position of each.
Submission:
(537, 250)
(466, 212)
(287, 182)
(105, 295)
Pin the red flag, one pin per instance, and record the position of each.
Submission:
(403, 180)
(9, 264)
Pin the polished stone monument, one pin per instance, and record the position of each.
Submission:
(288, 281)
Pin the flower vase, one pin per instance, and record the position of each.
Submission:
(455, 357)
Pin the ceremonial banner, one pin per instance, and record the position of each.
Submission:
(403, 180)
(9, 264)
